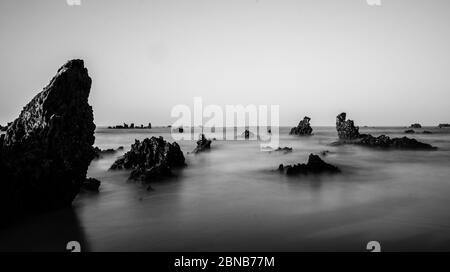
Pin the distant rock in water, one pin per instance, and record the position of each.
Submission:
(46, 151)
(444, 125)
(315, 165)
(181, 130)
(151, 159)
(410, 131)
(349, 134)
(427, 132)
(247, 134)
(131, 126)
(346, 128)
(282, 149)
(416, 126)
(203, 144)
(303, 128)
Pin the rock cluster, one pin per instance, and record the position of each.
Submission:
(416, 126)
(444, 125)
(131, 126)
(348, 133)
(315, 165)
(46, 151)
(410, 131)
(303, 128)
(203, 144)
(346, 128)
(151, 159)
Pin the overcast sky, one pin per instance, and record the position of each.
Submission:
(386, 65)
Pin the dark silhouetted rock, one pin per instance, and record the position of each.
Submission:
(180, 130)
(91, 184)
(315, 165)
(427, 132)
(410, 131)
(303, 128)
(151, 159)
(203, 144)
(444, 125)
(99, 153)
(349, 134)
(416, 126)
(346, 128)
(47, 150)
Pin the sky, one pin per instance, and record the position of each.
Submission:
(383, 65)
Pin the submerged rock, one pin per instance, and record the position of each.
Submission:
(427, 132)
(349, 134)
(91, 184)
(151, 159)
(303, 128)
(46, 151)
(315, 165)
(203, 144)
(410, 131)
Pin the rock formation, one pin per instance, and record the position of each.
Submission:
(315, 165)
(203, 144)
(151, 159)
(46, 151)
(410, 131)
(349, 134)
(303, 128)
(444, 125)
(346, 128)
(416, 126)
(99, 153)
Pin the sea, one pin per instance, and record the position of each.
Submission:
(232, 198)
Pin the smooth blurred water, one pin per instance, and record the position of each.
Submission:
(232, 199)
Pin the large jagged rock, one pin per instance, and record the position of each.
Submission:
(46, 151)
(151, 159)
(349, 134)
(315, 165)
(303, 128)
(203, 144)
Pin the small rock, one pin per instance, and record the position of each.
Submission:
(91, 184)
(410, 131)
(416, 125)
(203, 144)
(315, 165)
